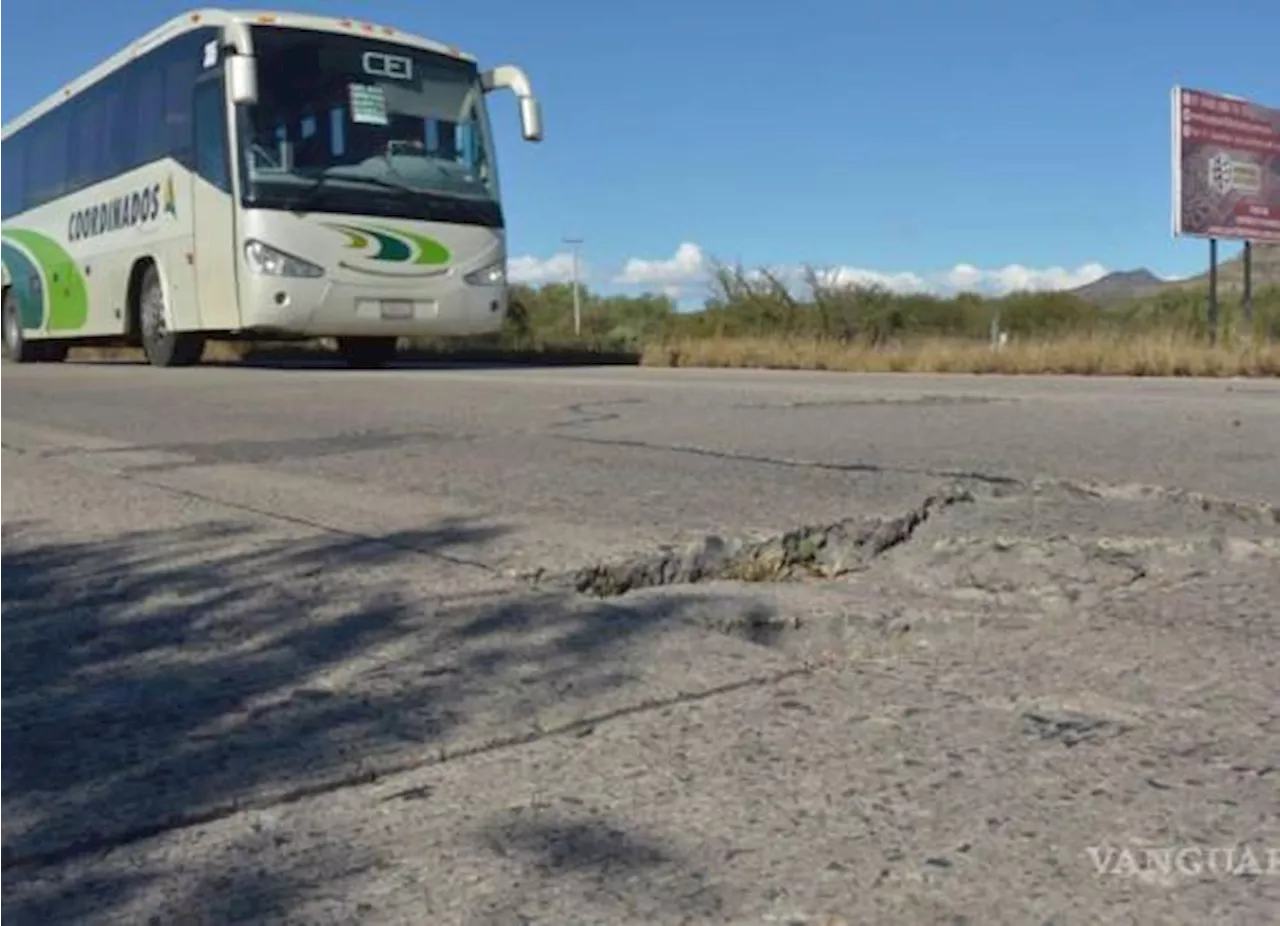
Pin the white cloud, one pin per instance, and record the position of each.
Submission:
(961, 277)
(856, 276)
(686, 266)
(1017, 277)
(555, 269)
(967, 277)
(689, 265)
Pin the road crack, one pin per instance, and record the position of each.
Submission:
(585, 413)
(313, 524)
(106, 842)
(1258, 512)
(839, 467)
(876, 402)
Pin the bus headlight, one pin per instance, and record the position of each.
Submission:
(263, 258)
(492, 275)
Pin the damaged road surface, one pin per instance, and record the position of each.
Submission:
(288, 646)
(826, 550)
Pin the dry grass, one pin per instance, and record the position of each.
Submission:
(1118, 355)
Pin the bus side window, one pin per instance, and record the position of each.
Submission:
(209, 117)
(13, 183)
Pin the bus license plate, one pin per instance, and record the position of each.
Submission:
(397, 308)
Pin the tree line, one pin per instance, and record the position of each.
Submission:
(762, 304)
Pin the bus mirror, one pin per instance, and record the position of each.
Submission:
(510, 77)
(242, 75)
(530, 119)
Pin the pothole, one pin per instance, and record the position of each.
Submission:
(812, 551)
(991, 565)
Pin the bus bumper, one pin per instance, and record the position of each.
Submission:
(326, 308)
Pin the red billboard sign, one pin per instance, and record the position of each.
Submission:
(1226, 167)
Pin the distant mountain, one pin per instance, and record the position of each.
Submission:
(1266, 270)
(1124, 285)
(1121, 286)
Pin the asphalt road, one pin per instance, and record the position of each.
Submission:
(317, 646)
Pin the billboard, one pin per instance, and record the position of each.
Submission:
(1226, 167)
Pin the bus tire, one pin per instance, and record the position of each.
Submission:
(16, 346)
(367, 353)
(163, 347)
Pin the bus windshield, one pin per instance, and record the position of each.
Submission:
(354, 124)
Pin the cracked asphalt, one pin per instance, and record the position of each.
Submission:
(514, 645)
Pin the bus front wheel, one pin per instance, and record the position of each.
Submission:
(163, 347)
(17, 347)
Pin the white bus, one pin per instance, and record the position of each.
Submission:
(258, 175)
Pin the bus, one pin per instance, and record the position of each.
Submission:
(255, 175)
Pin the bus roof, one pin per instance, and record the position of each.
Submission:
(202, 18)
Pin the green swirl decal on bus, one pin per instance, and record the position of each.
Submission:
(395, 245)
(55, 272)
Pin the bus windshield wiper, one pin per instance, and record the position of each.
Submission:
(356, 178)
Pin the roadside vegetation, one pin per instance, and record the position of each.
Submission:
(754, 319)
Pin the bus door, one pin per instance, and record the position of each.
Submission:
(213, 207)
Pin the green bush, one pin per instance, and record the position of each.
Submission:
(760, 304)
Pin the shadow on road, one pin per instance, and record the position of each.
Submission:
(290, 357)
(167, 678)
(614, 867)
(448, 359)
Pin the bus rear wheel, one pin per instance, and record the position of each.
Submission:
(367, 353)
(163, 347)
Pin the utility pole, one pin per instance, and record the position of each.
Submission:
(577, 304)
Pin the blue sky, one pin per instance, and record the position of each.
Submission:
(929, 142)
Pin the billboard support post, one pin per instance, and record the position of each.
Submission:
(1248, 283)
(1213, 290)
